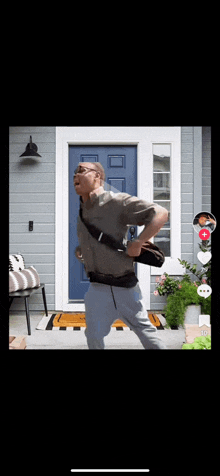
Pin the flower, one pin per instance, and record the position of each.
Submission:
(179, 286)
(157, 279)
(204, 281)
(156, 293)
(163, 277)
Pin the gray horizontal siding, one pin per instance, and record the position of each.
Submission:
(33, 238)
(30, 247)
(36, 217)
(28, 187)
(30, 129)
(43, 258)
(29, 169)
(44, 135)
(49, 157)
(187, 187)
(37, 197)
(38, 228)
(24, 207)
(206, 168)
(23, 176)
(32, 197)
(186, 130)
(187, 191)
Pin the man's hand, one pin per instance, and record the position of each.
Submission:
(160, 218)
(134, 248)
(78, 253)
(211, 220)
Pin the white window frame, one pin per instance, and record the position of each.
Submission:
(171, 264)
(143, 138)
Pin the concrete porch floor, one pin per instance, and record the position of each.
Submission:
(39, 339)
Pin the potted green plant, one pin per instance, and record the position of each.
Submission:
(203, 277)
(183, 302)
(185, 305)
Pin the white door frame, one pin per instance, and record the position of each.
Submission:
(65, 136)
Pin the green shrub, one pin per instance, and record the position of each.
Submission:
(188, 293)
(174, 310)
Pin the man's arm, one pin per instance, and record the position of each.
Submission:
(159, 219)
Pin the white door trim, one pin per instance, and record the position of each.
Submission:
(65, 136)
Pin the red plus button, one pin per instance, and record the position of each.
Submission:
(204, 234)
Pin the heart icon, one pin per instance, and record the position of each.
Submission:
(204, 257)
(204, 290)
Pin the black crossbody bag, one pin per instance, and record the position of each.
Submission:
(153, 256)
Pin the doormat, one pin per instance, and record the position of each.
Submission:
(76, 321)
(154, 319)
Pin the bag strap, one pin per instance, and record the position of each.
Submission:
(100, 236)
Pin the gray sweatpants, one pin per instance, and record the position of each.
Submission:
(104, 304)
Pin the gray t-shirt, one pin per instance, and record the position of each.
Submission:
(112, 213)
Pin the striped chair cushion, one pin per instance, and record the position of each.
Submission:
(20, 280)
(16, 262)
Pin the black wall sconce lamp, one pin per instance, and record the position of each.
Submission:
(31, 150)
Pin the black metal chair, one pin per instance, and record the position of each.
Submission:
(26, 294)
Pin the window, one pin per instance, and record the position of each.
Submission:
(165, 153)
(162, 191)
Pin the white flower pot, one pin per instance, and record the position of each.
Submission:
(192, 314)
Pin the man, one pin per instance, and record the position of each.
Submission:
(203, 221)
(112, 213)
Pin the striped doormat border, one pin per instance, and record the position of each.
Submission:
(51, 323)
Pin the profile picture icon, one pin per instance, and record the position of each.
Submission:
(204, 220)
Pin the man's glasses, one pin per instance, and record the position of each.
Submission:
(82, 170)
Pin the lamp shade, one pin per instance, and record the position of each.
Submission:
(31, 150)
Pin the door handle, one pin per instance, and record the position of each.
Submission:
(132, 232)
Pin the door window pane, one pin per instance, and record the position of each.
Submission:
(167, 206)
(162, 239)
(161, 186)
(161, 156)
(162, 193)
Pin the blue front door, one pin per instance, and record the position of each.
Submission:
(120, 164)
